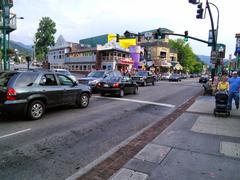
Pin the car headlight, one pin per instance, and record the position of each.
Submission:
(93, 82)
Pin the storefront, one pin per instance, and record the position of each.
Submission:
(124, 65)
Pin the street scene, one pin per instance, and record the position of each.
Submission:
(85, 97)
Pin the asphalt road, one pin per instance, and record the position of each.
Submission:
(67, 139)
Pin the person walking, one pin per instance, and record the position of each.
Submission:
(234, 87)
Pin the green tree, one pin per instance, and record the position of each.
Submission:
(44, 37)
(186, 57)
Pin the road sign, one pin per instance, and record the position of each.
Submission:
(213, 56)
(210, 37)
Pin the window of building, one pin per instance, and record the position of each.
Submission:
(80, 68)
(84, 67)
(109, 67)
(104, 67)
(93, 66)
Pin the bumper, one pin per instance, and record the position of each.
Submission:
(19, 106)
(109, 90)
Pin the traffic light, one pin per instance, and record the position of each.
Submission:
(193, 1)
(185, 36)
(117, 37)
(199, 11)
(139, 37)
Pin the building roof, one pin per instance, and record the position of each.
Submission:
(162, 30)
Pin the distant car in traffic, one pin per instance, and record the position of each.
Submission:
(93, 78)
(144, 77)
(116, 84)
(66, 72)
(204, 78)
(175, 77)
(32, 92)
(165, 76)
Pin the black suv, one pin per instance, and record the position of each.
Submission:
(144, 77)
(31, 92)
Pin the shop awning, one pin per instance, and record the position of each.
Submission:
(127, 61)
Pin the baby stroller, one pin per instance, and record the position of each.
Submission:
(221, 100)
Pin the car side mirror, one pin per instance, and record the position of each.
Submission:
(75, 83)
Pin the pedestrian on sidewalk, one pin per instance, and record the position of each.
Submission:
(234, 87)
(223, 85)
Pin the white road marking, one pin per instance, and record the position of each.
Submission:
(138, 101)
(18, 132)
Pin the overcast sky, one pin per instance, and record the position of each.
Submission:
(77, 19)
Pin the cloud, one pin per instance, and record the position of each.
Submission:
(76, 19)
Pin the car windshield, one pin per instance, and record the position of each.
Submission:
(96, 74)
(64, 72)
(142, 73)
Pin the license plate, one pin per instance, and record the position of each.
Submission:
(105, 85)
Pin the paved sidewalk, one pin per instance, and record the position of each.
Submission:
(197, 146)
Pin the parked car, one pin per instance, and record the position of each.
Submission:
(66, 72)
(175, 77)
(31, 92)
(165, 76)
(204, 78)
(93, 78)
(184, 76)
(144, 77)
(117, 84)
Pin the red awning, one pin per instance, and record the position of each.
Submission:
(127, 61)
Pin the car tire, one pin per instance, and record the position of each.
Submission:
(121, 93)
(83, 100)
(135, 91)
(36, 110)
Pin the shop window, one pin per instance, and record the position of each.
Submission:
(163, 54)
(77, 67)
(89, 67)
(93, 66)
(109, 67)
(84, 67)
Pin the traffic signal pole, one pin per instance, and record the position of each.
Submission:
(4, 36)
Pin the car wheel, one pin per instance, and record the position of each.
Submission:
(145, 83)
(36, 109)
(135, 91)
(83, 100)
(121, 93)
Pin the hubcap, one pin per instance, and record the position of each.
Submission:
(84, 100)
(37, 110)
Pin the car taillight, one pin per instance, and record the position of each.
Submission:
(116, 85)
(11, 94)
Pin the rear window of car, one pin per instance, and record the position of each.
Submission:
(26, 79)
(5, 77)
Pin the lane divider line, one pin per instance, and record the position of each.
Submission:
(18, 132)
(137, 101)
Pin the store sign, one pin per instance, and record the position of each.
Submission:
(127, 61)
